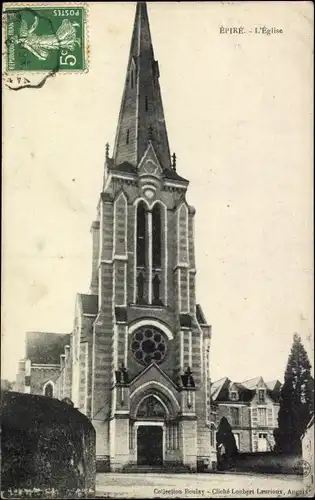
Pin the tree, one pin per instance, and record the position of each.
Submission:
(296, 400)
(226, 445)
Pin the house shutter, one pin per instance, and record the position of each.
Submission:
(254, 417)
(269, 416)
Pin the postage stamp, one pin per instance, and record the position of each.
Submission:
(45, 38)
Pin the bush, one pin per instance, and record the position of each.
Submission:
(47, 446)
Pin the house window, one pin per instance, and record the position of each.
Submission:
(235, 413)
(262, 416)
(261, 396)
(234, 395)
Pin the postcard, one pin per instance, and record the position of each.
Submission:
(157, 306)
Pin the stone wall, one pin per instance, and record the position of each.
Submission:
(42, 374)
(269, 463)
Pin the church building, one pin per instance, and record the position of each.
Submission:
(137, 360)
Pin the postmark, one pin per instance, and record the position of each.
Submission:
(305, 467)
(45, 38)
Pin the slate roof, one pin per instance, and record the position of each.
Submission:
(200, 315)
(127, 168)
(46, 347)
(272, 385)
(217, 386)
(220, 389)
(173, 175)
(274, 390)
(89, 303)
(251, 383)
(274, 395)
(146, 80)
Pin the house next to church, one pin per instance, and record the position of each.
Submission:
(251, 407)
(137, 360)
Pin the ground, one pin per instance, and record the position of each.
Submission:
(218, 485)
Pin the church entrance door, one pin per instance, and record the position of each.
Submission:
(150, 445)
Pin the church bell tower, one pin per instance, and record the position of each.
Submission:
(146, 361)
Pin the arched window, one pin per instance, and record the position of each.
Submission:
(156, 237)
(127, 137)
(131, 78)
(141, 243)
(49, 390)
(146, 103)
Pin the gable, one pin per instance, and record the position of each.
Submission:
(261, 384)
(152, 373)
(149, 164)
(153, 381)
(268, 400)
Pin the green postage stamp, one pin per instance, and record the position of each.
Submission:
(45, 38)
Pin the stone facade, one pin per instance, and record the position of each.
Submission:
(251, 408)
(137, 360)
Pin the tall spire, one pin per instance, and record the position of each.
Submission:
(141, 119)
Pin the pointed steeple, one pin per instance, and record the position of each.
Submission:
(141, 119)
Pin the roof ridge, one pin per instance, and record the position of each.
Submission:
(253, 378)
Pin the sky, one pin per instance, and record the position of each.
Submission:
(239, 117)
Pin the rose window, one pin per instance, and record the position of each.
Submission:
(148, 345)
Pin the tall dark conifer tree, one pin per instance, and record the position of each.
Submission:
(226, 438)
(296, 400)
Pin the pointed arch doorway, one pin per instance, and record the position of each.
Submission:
(150, 432)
